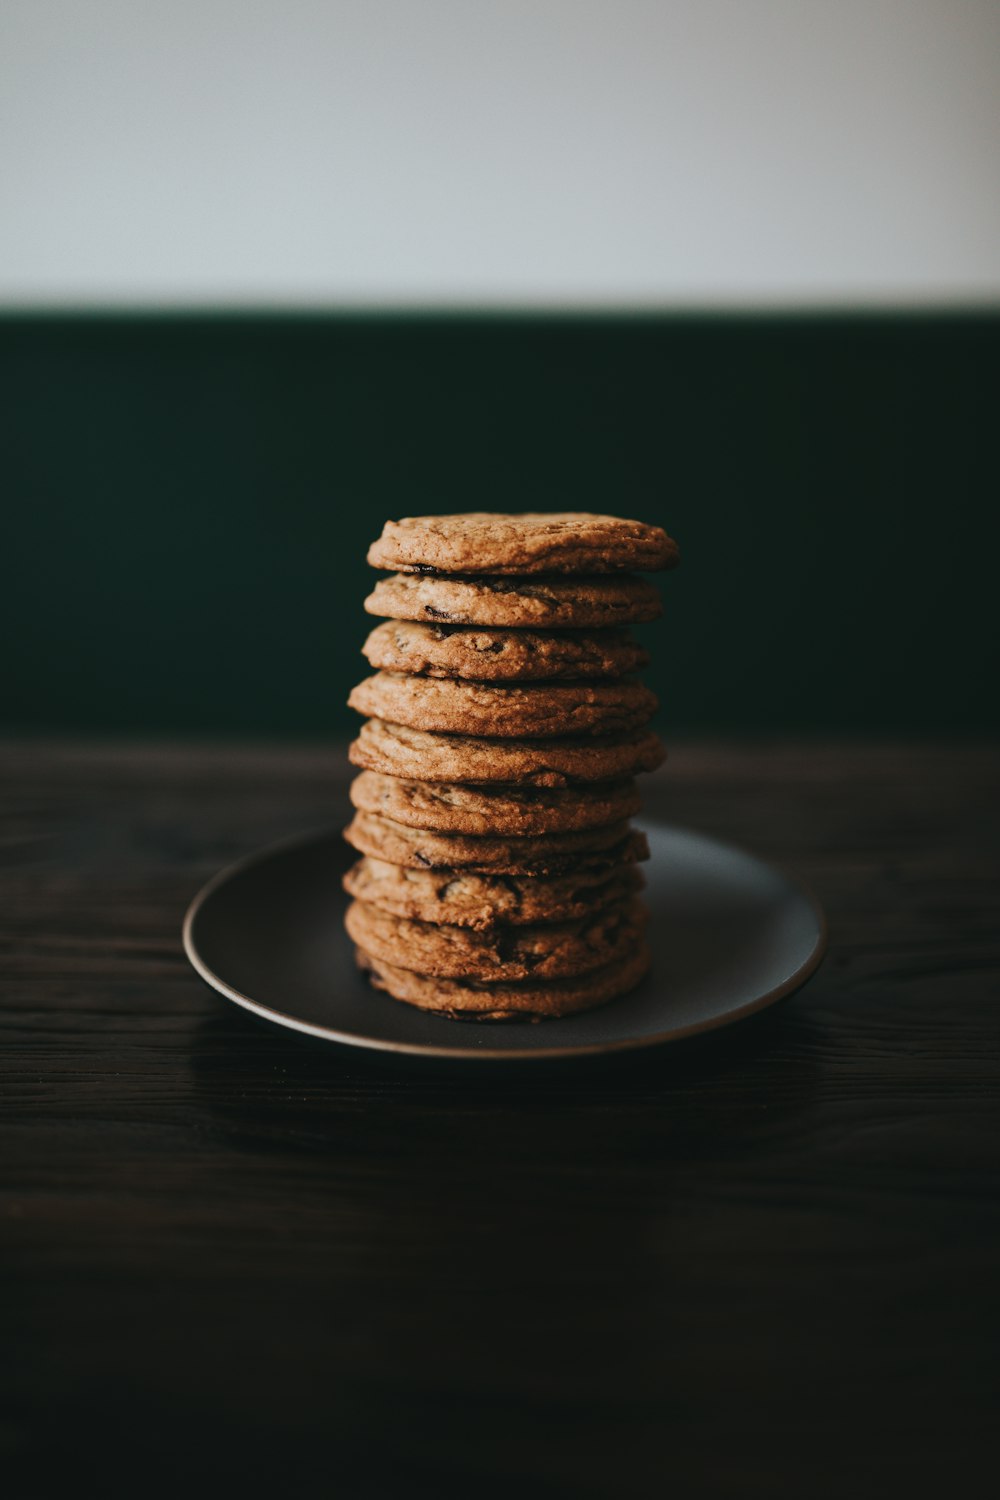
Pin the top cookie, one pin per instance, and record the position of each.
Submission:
(535, 542)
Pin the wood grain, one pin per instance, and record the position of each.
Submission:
(760, 1264)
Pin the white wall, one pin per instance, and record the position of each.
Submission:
(499, 151)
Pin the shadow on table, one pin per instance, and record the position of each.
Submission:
(767, 1069)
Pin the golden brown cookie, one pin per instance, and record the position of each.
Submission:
(450, 807)
(494, 655)
(548, 854)
(461, 899)
(533, 542)
(508, 711)
(556, 950)
(464, 1000)
(540, 604)
(396, 750)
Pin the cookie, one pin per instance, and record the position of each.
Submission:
(494, 655)
(547, 854)
(459, 899)
(513, 710)
(449, 807)
(533, 542)
(462, 1000)
(543, 604)
(557, 950)
(396, 750)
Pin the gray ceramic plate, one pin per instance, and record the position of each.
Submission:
(729, 936)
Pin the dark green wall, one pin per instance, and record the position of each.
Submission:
(188, 501)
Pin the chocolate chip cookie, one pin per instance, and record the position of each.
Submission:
(556, 950)
(461, 899)
(508, 711)
(546, 854)
(396, 750)
(495, 655)
(536, 603)
(464, 1000)
(533, 542)
(450, 807)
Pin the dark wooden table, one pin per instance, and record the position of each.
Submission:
(762, 1264)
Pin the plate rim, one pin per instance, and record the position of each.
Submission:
(788, 986)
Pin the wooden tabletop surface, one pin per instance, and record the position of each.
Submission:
(763, 1263)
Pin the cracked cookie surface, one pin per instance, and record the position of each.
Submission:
(546, 854)
(454, 807)
(542, 603)
(558, 950)
(513, 710)
(396, 750)
(529, 542)
(486, 654)
(463, 899)
(465, 1000)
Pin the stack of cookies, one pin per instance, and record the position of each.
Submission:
(499, 872)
